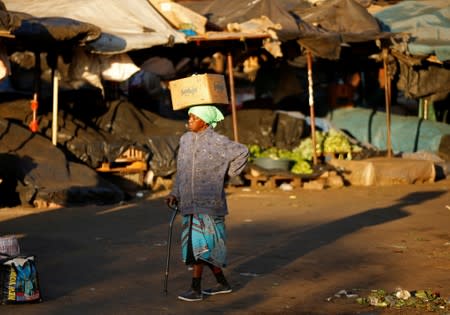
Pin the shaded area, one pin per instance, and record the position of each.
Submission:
(36, 170)
(310, 239)
(108, 253)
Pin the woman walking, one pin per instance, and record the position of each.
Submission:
(205, 159)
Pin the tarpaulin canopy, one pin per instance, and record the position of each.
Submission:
(424, 47)
(222, 13)
(125, 26)
(334, 23)
(322, 28)
(44, 34)
(426, 22)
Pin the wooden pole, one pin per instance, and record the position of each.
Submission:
(311, 106)
(232, 96)
(425, 109)
(55, 108)
(387, 95)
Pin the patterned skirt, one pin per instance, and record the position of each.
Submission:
(203, 238)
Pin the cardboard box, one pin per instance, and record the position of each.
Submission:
(197, 90)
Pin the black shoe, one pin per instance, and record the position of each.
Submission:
(218, 289)
(191, 296)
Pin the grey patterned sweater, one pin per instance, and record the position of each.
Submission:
(203, 161)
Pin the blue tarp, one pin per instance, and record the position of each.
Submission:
(427, 22)
(408, 133)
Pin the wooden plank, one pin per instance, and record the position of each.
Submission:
(212, 36)
(7, 34)
(134, 167)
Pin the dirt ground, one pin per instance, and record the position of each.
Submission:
(289, 252)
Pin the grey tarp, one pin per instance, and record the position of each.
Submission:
(427, 23)
(126, 25)
(409, 134)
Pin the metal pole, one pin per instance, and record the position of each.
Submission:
(387, 94)
(169, 245)
(232, 96)
(311, 106)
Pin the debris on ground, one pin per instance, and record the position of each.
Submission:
(426, 300)
(344, 293)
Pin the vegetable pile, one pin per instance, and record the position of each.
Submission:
(332, 141)
(301, 165)
(420, 299)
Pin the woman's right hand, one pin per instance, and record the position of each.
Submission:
(171, 201)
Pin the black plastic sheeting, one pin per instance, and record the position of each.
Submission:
(33, 169)
(426, 80)
(164, 154)
(266, 128)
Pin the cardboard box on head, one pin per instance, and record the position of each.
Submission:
(198, 89)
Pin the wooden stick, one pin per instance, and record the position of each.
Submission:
(387, 95)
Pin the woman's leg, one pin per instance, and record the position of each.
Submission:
(222, 284)
(195, 292)
(197, 276)
(218, 274)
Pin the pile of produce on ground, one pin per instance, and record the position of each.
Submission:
(421, 299)
(329, 142)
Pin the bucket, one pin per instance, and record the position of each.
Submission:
(9, 245)
(272, 164)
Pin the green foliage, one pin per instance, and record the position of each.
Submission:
(332, 141)
(420, 299)
(301, 166)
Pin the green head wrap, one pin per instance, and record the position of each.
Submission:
(209, 114)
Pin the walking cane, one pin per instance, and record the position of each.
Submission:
(169, 244)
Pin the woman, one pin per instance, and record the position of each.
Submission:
(204, 160)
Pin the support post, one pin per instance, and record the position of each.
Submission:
(232, 96)
(387, 95)
(311, 106)
(55, 107)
